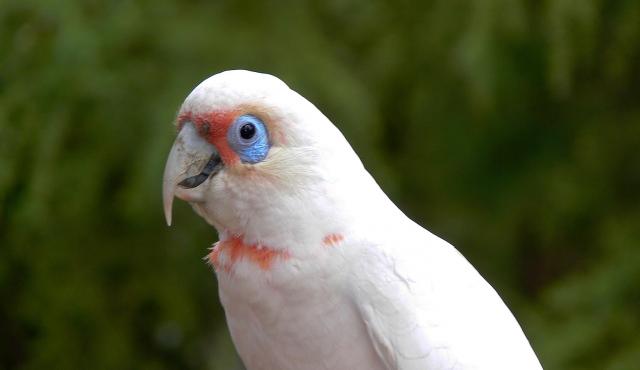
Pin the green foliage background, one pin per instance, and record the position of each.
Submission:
(509, 127)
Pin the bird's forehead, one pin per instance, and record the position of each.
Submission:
(216, 119)
(217, 101)
(218, 107)
(227, 90)
(205, 101)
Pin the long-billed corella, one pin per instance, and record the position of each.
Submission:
(316, 267)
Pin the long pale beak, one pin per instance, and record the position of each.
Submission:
(191, 162)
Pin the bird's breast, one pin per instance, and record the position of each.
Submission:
(307, 322)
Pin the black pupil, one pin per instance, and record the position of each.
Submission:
(247, 131)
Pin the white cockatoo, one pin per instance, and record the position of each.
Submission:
(316, 267)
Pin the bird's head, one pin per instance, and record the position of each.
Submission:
(254, 158)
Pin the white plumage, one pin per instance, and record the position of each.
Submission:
(317, 268)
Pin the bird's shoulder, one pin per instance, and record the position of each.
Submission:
(425, 306)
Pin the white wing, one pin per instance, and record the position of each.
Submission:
(425, 307)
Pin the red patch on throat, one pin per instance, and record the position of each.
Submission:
(332, 240)
(226, 253)
(213, 126)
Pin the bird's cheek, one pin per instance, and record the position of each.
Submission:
(190, 195)
(219, 207)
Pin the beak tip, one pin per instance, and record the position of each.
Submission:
(168, 206)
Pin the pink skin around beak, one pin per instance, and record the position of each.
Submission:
(191, 161)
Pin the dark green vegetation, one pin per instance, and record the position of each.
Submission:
(510, 128)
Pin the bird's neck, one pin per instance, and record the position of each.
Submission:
(298, 223)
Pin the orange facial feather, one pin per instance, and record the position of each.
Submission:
(332, 240)
(235, 249)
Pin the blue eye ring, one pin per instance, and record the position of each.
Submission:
(249, 138)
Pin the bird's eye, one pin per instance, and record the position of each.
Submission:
(249, 138)
(247, 131)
